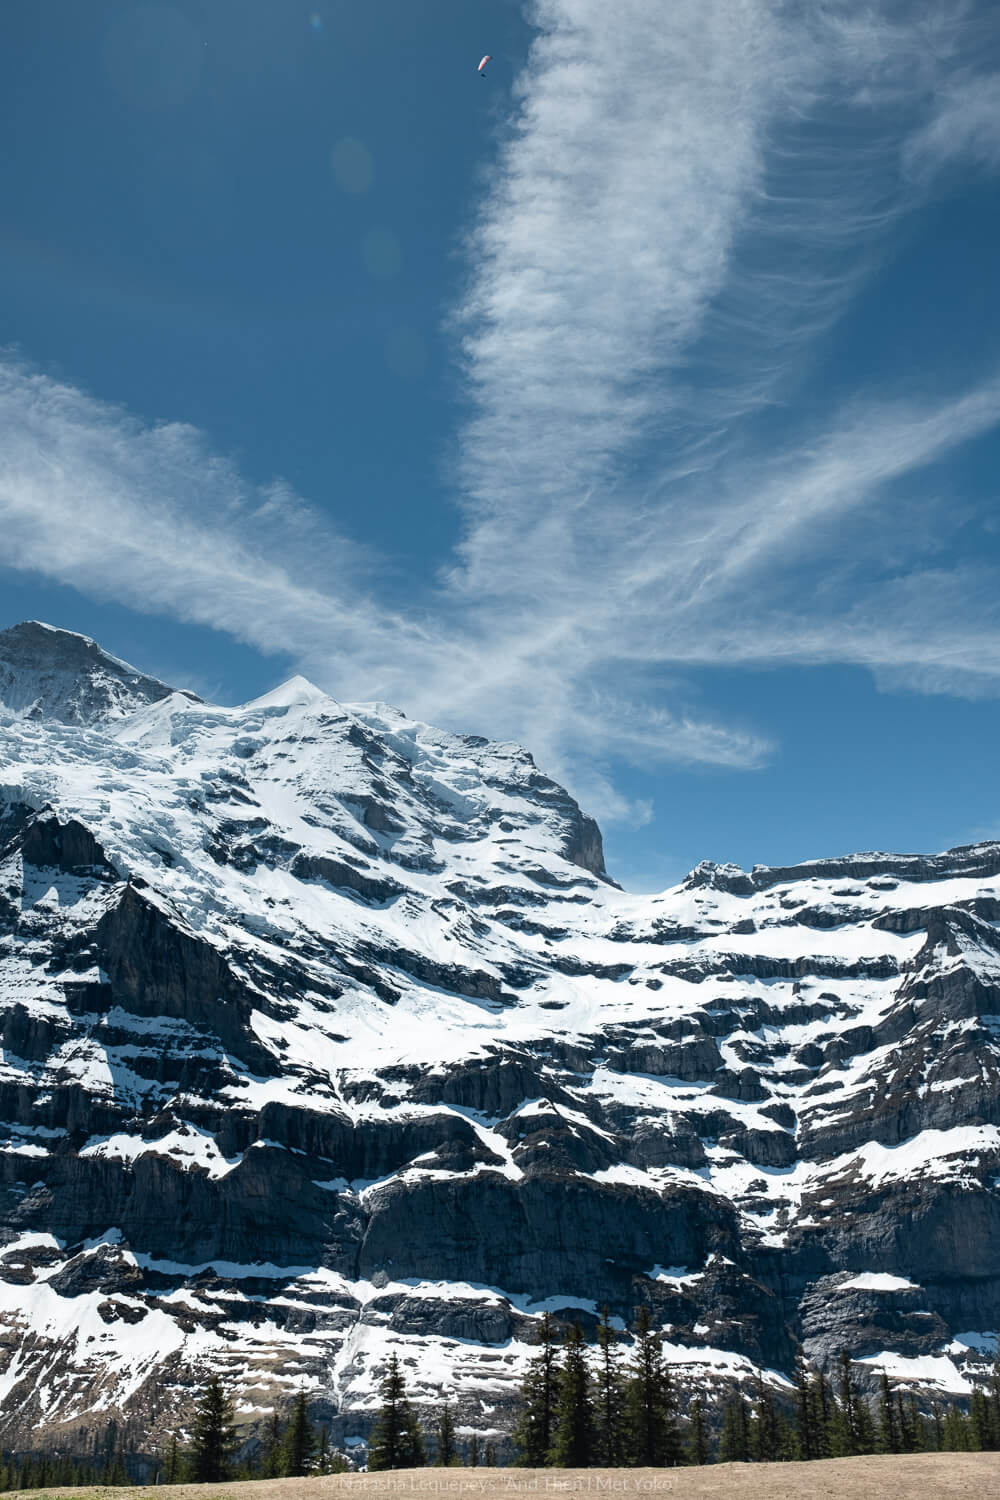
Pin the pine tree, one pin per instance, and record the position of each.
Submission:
(272, 1457)
(447, 1454)
(653, 1441)
(472, 1452)
(842, 1428)
(170, 1461)
(865, 1426)
(805, 1413)
(109, 1445)
(956, 1435)
(396, 1441)
(734, 1440)
(979, 1417)
(852, 1428)
(824, 1415)
(908, 1423)
(888, 1421)
(491, 1456)
(921, 1436)
(323, 1452)
(214, 1440)
(765, 1430)
(609, 1398)
(573, 1445)
(697, 1443)
(328, 1462)
(993, 1400)
(299, 1443)
(536, 1429)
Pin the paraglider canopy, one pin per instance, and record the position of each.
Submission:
(482, 66)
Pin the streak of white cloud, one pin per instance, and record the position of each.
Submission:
(150, 516)
(687, 197)
(965, 125)
(636, 152)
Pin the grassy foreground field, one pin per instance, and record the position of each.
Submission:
(923, 1476)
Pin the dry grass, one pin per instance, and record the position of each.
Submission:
(924, 1476)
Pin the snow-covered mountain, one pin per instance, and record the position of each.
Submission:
(325, 1034)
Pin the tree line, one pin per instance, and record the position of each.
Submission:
(293, 1447)
(608, 1408)
(600, 1406)
(208, 1455)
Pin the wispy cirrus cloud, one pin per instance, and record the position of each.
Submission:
(965, 125)
(685, 201)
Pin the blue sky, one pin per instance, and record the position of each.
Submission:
(640, 401)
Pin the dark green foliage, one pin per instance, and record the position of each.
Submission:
(609, 1398)
(328, 1462)
(851, 1428)
(573, 1445)
(491, 1456)
(472, 1452)
(298, 1447)
(536, 1430)
(957, 1433)
(37, 1471)
(767, 1436)
(888, 1418)
(447, 1452)
(864, 1427)
(993, 1400)
(734, 1440)
(652, 1436)
(698, 1450)
(396, 1441)
(979, 1418)
(843, 1436)
(214, 1439)
(984, 1410)
(824, 1408)
(911, 1424)
(170, 1463)
(271, 1456)
(805, 1411)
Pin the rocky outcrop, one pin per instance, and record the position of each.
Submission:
(48, 674)
(158, 970)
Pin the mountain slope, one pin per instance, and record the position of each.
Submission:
(325, 1033)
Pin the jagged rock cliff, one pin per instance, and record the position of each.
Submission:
(325, 1033)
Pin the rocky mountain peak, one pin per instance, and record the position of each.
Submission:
(58, 675)
(324, 1038)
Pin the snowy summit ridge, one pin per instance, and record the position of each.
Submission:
(326, 1035)
(55, 674)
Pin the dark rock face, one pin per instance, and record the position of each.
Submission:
(55, 675)
(325, 1035)
(156, 969)
(68, 847)
(345, 877)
